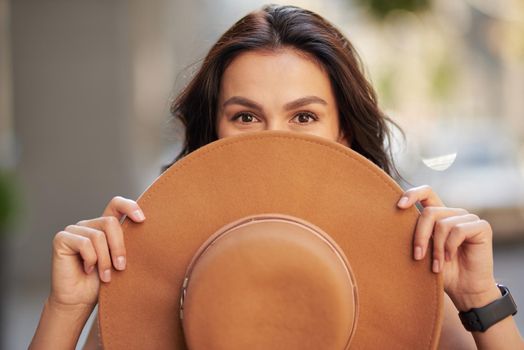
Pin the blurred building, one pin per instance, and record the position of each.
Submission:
(85, 88)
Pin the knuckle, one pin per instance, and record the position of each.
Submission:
(438, 244)
(450, 248)
(474, 217)
(116, 199)
(89, 255)
(59, 236)
(85, 243)
(70, 228)
(441, 225)
(425, 188)
(409, 191)
(420, 242)
(421, 235)
(82, 223)
(454, 235)
(420, 238)
(486, 225)
(91, 259)
(463, 211)
(458, 230)
(419, 188)
(110, 220)
(98, 237)
(438, 252)
(428, 212)
(104, 263)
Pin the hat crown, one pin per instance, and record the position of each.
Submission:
(269, 281)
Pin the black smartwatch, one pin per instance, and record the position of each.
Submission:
(479, 319)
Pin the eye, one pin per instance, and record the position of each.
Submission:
(305, 118)
(244, 117)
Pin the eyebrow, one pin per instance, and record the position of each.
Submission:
(237, 100)
(303, 101)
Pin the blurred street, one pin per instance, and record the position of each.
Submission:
(509, 270)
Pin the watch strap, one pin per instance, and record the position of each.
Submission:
(481, 318)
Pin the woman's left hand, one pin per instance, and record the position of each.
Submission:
(462, 248)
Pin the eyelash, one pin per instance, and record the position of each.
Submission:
(309, 114)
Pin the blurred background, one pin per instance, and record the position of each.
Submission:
(85, 89)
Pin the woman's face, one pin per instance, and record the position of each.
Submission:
(283, 90)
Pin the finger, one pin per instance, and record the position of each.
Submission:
(99, 242)
(425, 226)
(71, 244)
(114, 235)
(471, 231)
(120, 206)
(443, 228)
(423, 194)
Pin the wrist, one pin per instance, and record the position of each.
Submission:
(469, 300)
(56, 307)
(482, 318)
(60, 325)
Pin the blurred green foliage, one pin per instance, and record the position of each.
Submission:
(386, 87)
(444, 79)
(9, 203)
(381, 8)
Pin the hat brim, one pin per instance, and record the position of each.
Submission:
(304, 176)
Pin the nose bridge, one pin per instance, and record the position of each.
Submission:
(276, 122)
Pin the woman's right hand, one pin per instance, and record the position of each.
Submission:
(85, 254)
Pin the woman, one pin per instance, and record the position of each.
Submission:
(282, 68)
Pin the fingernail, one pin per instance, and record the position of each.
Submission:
(435, 266)
(106, 275)
(120, 263)
(89, 269)
(418, 253)
(139, 215)
(403, 201)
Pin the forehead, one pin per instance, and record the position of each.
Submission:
(282, 55)
(274, 71)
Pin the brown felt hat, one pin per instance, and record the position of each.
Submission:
(272, 240)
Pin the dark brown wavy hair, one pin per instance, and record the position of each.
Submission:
(274, 27)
